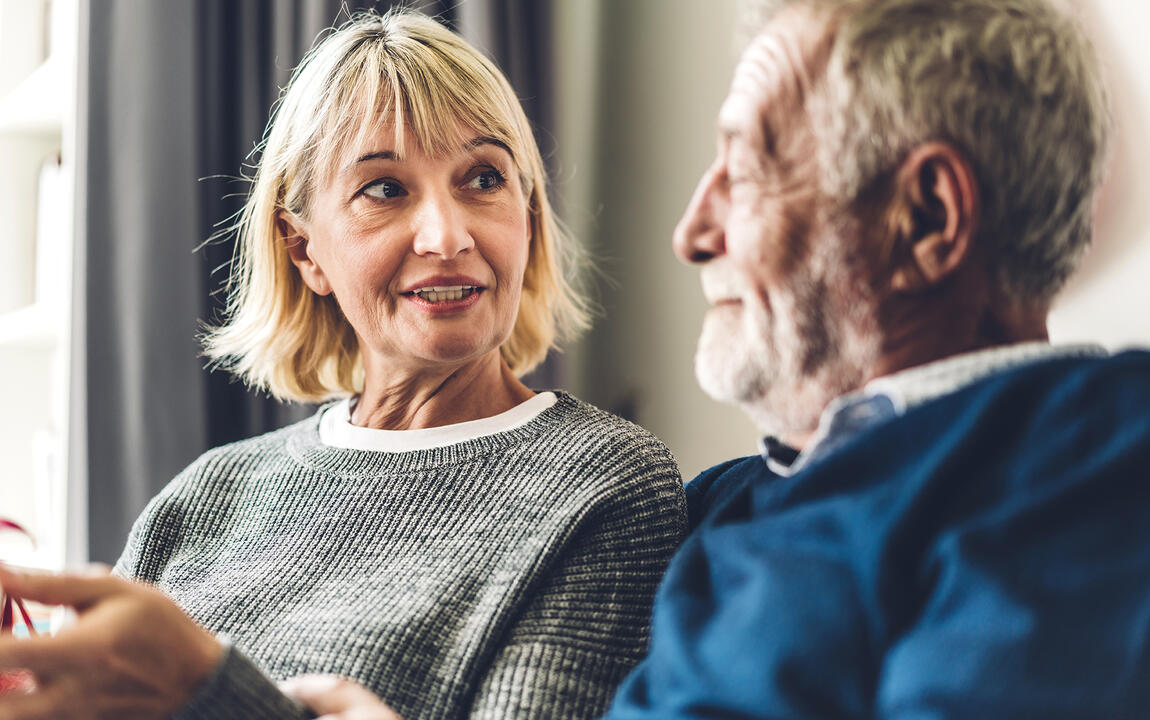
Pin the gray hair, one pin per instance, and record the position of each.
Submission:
(1013, 84)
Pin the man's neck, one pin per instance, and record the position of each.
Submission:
(923, 341)
(952, 323)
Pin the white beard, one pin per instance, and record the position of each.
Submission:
(784, 363)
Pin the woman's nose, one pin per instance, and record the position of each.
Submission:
(701, 233)
(441, 229)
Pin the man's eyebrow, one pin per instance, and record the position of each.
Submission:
(730, 133)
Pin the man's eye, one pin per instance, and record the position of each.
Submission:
(383, 189)
(746, 181)
(486, 180)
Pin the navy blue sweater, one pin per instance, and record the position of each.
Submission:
(986, 555)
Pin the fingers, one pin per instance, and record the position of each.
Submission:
(78, 591)
(338, 697)
(33, 706)
(131, 647)
(43, 656)
(308, 688)
(96, 569)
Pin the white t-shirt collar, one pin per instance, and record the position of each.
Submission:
(336, 430)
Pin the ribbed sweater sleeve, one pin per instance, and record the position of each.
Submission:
(507, 576)
(586, 626)
(238, 689)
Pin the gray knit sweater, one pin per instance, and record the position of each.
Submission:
(502, 577)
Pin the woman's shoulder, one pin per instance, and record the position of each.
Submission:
(597, 426)
(625, 467)
(589, 435)
(273, 437)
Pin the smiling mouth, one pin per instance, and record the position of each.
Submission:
(441, 293)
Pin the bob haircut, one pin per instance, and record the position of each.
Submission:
(405, 69)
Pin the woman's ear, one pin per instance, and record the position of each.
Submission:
(935, 215)
(291, 230)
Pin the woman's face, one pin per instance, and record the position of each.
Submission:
(425, 255)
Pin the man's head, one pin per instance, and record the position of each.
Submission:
(896, 181)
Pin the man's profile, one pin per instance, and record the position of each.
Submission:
(947, 517)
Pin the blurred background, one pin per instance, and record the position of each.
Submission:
(124, 125)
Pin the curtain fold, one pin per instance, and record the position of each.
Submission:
(177, 95)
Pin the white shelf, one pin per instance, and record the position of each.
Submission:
(34, 327)
(36, 106)
(39, 42)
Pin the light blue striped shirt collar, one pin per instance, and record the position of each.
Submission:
(892, 395)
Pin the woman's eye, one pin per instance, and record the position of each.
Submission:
(486, 180)
(383, 189)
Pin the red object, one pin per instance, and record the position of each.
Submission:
(10, 605)
(16, 681)
(12, 609)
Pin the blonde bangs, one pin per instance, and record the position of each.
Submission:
(436, 86)
(408, 71)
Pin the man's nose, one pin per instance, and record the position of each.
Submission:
(700, 234)
(441, 228)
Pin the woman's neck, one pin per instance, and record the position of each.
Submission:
(435, 397)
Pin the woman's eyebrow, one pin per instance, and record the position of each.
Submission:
(468, 146)
(378, 155)
(478, 142)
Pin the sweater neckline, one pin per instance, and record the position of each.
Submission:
(304, 445)
(336, 430)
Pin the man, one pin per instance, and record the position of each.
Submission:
(948, 519)
(951, 521)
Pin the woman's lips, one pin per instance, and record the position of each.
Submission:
(438, 299)
(444, 293)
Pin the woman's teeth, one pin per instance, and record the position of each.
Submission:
(445, 294)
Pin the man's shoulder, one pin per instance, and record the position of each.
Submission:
(713, 486)
(1057, 389)
(1013, 432)
(1006, 438)
(1103, 368)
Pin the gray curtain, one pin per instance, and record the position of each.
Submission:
(176, 95)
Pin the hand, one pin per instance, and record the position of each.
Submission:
(335, 698)
(131, 653)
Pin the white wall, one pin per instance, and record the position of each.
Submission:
(1109, 300)
(641, 82)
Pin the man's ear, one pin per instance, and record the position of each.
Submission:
(294, 236)
(935, 217)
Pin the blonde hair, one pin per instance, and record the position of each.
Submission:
(406, 68)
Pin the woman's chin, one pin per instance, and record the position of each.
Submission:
(451, 352)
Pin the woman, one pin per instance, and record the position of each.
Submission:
(455, 542)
